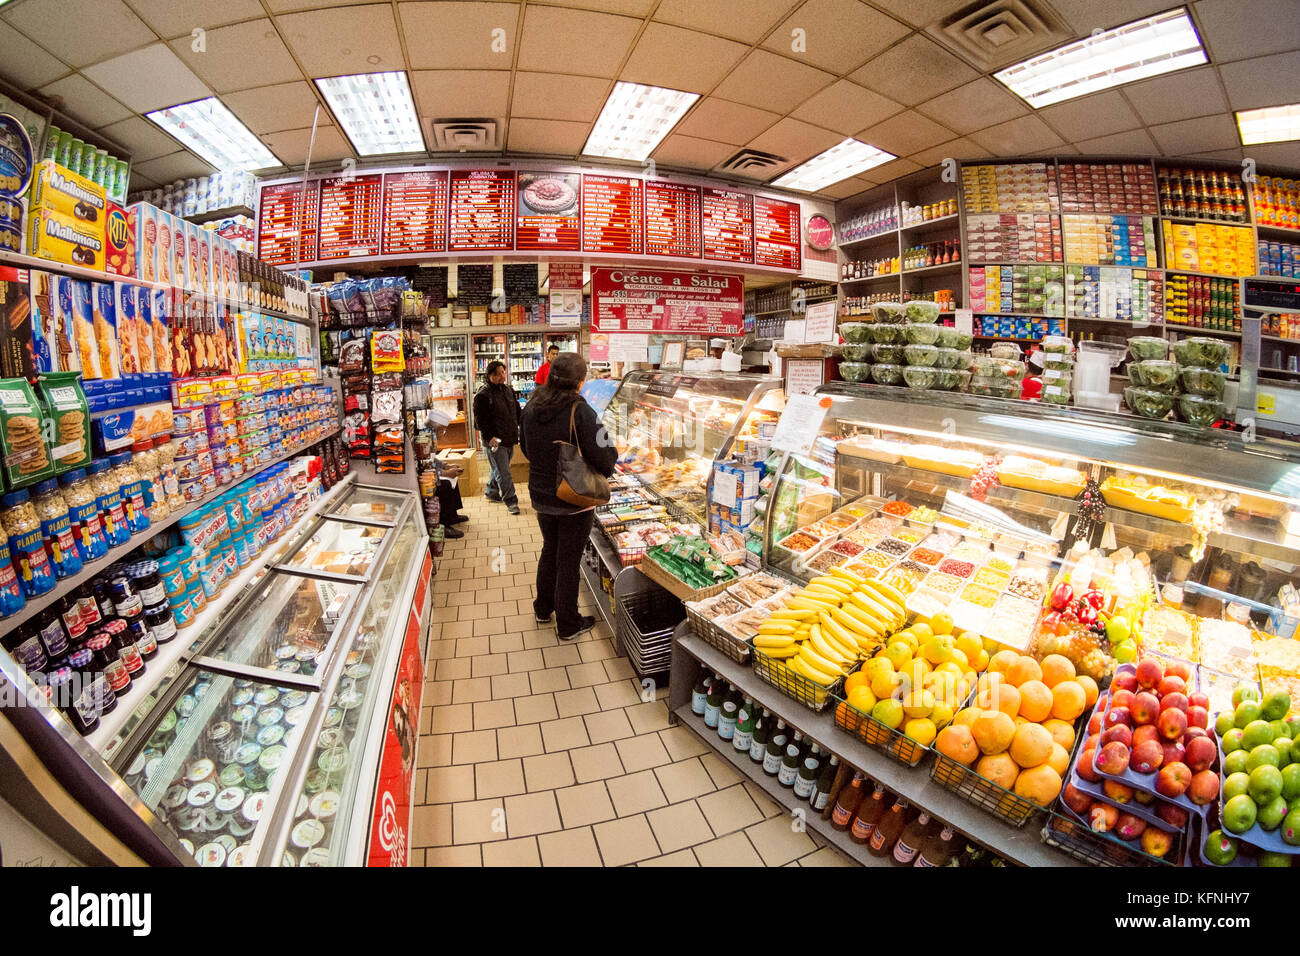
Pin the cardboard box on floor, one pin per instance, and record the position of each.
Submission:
(469, 482)
(519, 468)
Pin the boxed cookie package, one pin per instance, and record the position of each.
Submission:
(24, 456)
(120, 240)
(17, 358)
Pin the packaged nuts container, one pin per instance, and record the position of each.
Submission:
(56, 528)
(83, 514)
(26, 545)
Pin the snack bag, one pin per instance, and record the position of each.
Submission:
(24, 455)
(65, 410)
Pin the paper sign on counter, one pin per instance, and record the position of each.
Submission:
(800, 423)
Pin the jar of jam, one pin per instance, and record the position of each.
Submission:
(83, 513)
(54, 639)
(127, 652)
(108, 661)
(66, 694)
(24, 646)
(147, 582)
(88, 606)
(108, 494)
(99, 587)
(126, 601)
(102, 698)
(20, 522)
(128, 476)
(161, 623)
(11, 589)
(138, 633)
(73, 622)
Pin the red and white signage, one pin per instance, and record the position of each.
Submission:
(481, 215)
(672, 220)
(776, 231)
(654, 300)
(549, 205)
(415, 213)
(727, 225)
(287, 218)
(351, 217)
(611, 214)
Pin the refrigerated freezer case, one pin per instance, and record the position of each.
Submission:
(451, 364)
(526, 357)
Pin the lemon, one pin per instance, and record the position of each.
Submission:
(920, 729)
(888, 712)
(919, 704)
(941, 623)
(898, 654)
(883, 684)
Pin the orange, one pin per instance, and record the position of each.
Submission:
(1002, 660)
(956, 742)
(862, 698)
(967, 716)
(1056, 668)
(999, 768)
(1031, 746)
(981, 660)
(1089, 688)
(1069, 700)
(856, 679)
(1039, 785)
(1059, 760)
(993, 731)
(991, 679)
(1024, 669)
(1007, 699)
(1035, 701)
(1061, 731)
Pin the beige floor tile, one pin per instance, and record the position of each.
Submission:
(619, 668)
(440, 650)
(636, 793)
(826, 856)
(731, 850)
(648, 717)
(550, 679)
(449, 784)
(766, 805)
(680, 825)
(453, 718)
(569, 848)
(818, 840)
(519, 661)
(730, 809)
(498, 778)
(548, 771)
(564, 734)
(489, 626)
(682, 742)
(584, 804)
(469, 646)
(596, 650)
(607, 725)
(511, 685)
(680, 858)
(586, 675)
(571, 703)
(453, 668)
(521, 852)
(723, 774)
(596, 763)
(535, 708)
(431, 825)
(518, 741)
(437, 693)
(471, 690)
(684, 780)
(540, 638)
(488, 665)
(433, 750)
(517, 619)
(642, 753)
(479, 821)
(617, 694)
(506, 643)
(561, 656)
(472, 612)
(777, 842)
(426, 720)
(468, 855)
(455, 630)
(475, 746)
(532, 813)
(494, 713)
(625, 841)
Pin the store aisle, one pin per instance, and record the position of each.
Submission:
(538, 753)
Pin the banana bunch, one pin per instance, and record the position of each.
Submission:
(828, 626)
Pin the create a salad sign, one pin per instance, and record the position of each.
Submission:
(656, 300)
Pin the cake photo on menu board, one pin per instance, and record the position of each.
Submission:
(548, 194)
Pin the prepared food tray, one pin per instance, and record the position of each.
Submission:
(840, 521)
(716, 607)
(943, 583)
(823, 561)
(947, 461)
(754, 589)
(991, 578)
(1227, 646)
(799, 542)
(1029, 583)
(1170, 631)
(1134, 494)
(864, 537)
(876, 559)
(873, 449)
(1017, 471)
(744, 624)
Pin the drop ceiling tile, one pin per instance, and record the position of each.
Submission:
(772, 82)
(460, 94)
(846, 107)
(1134, 142)
(267, 109)
(680, 59)
(844, 189)
(795, 139)
(974, 106)
(143, 139)
(1196, 135)
(1063, 150)
(921, 12)
(1263, 81)
(283, 6)
(959, 149)
(79, 32)
(1181, 95)
(547, 136)
(168, 169)
(1091, 116)
(455, 35)
(631, 8)
(1232, 155)
(344, 40)
(1236, 29)
(148, 79)
(240, 57)
(26, 65)
(596, 43)
(725, 122)
(1088, 15)
(291, 145)
(691, 153)
(914, 71)
(1275, 154)
(174, 18)
(907, 133)
(893, 169)
(835, 35)
(1019, 136)
(557, 96)
(84, 101)
(744, 20)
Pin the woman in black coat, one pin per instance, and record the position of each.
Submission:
(565, 527)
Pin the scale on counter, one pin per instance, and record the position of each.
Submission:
(1275, 405)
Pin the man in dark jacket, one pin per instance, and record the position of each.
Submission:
(496, 416)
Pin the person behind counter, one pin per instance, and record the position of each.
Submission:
(496, 416)
(565, 528)
(545, 368)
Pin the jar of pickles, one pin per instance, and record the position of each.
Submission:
(83, 513)
(56, 528)
(128, 478)
(26, 545)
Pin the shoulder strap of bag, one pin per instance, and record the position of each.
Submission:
(573, 428)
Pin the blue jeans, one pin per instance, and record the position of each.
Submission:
(501, 484)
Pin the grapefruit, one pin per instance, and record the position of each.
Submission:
(1056, 668)
(993, 731)
(1090, 689)
(1069, 700)
(1031, 746)
(1038, 784)
(956, 742)
(1024, 669)
(1059, 760)
(1035, 701)
(1061, 731)
(1002, 660)
(999, 768)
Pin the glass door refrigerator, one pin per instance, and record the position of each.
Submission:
(452, 388)
(526, 357)
(486, 347)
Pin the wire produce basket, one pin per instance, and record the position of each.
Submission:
(645, 628)
(773, 670)
(981, 791)
(882, 737)
(710, 633)
(1070, 834)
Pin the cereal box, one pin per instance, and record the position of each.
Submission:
(180, 239)
(128, 342)
(83, 323)
(120, 240)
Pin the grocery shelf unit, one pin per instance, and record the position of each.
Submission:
(770, 306)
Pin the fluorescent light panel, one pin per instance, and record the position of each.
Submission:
(376, 112)
(635, 120)
(1271, 124)
(1144, 48)
(213, 133)
(839, 162)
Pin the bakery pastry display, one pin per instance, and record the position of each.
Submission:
(1031, 474)
(1135, 493)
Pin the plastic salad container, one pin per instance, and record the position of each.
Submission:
(887, 334)
(921, 334)
(855, 371)
(921, 354)
(890, 354)
(1154, 373)
(1199, 410)
(952, 359)
(921, 312)
(989, 366)
(887, 374)
(856, 333)
(1201, 352)
(953, 379)
(1144, 347)
(1148, 402)
(855, 353)
(1203, 381)
(891, 313)
(921, 376)
(951, 338)
(997, 385)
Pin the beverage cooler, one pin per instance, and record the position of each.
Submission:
(285, 733)
(453, 391)
(526, 357)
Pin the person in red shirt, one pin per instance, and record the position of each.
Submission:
(545, 369)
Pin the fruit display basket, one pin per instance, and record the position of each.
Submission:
(710, 633)
(982, 792)
(873, 733)
(1066, 831)
(772, 670)
(1256, 835)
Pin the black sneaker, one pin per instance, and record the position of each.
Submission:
(513, 509)
(449, 532)
(487, 495)
(457, 519)
(587, 624)
(541, 620)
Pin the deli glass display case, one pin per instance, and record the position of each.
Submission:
(984, 508)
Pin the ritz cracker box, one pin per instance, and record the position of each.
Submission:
(66, 219)
(120, 240)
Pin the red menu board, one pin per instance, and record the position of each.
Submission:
(549, 204)
(351, 216)
(727, 225)
(672, 220)
(611, 214)
(652, 300)
(776, 233)
(287, 217)
(415, 212)
(481, 210)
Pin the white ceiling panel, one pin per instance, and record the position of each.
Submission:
(846, 188)
(173, 18)
(143, 138)
(795, 140)
(597, 42)
(460, 94)
(914, 71)
(725, 122)
(148, 79)
(958, 149)
(25, 64)
(743, 20)
(1275, 154)
(691, 153)
(1028, 134)
(1091, 116)
(893, 169)
(84, 101)
(680, 59)
(1236, 29)
(835, 35)
(345, 40)
(1134, 142)
(921, 13)
(1088, 15)
(630, 8)
(974, 106)
(846, 108)
(291, 146)
(1232, 155)
(556, 96)
(268, 109)
(284, 6)
(907, 133)
(1177, 96)
(1263, 81)
(547, 136)
(168, 169)
(1196, 135)
(442, 36)
(772, 82)
(239, 57)
(80, 32)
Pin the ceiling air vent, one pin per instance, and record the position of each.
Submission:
(997, 34)
(462, 135)
(751, 162)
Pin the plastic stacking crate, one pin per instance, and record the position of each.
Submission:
(772, 670)
(645, 623)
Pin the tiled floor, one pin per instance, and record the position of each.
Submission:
(535, 752)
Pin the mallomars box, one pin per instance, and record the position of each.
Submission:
(63, 238)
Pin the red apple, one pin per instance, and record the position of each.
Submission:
(1118, 715)
(1119, 732)
(1086, 769)
(1171, 684)
(1174, 751)
(1173, 780)
(1204, 788)
(1145, 709)
(1198, 699)
(1172, 814)
(1144, 733)
(1156, 841)
(1113, 758)
(1149, 673)
(1193, 731)
(1179, 669)
(1124, 680)
(1129, 827)
(1147, 757)
(1118, 792)
(1198, 718)
(1176, 700)
(1093, 742)
(1094, 722)
(1172, 724)
(1144, 798)
(1076, 799)
(1200, 753)
(1122, 698)
(1103, 817)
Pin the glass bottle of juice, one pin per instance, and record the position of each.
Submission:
(869, 816)
(888, 830)
(847, 805)
(915, 836)
(940, 850)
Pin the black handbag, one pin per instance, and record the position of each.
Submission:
(577, 483)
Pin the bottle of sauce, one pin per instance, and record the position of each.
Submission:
(847, 805)
(775, 750)
(888, 829)
(939, 850)
(869, 816)
(915, 836)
